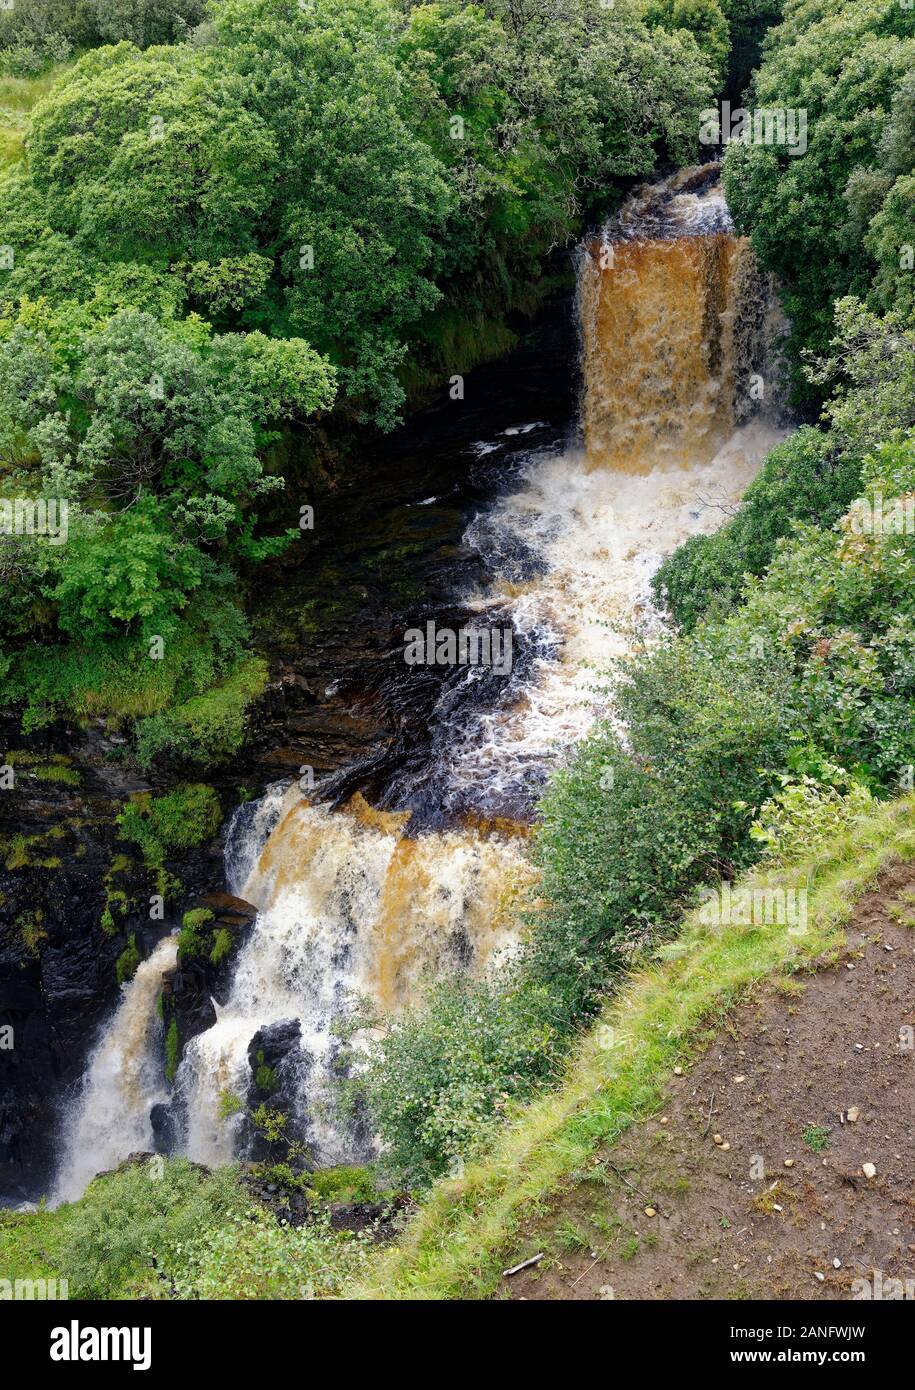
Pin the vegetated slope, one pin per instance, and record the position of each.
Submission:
(749, 1182)
(214, 244)
(470, 1229)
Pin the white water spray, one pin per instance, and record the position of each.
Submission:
(109, 1118)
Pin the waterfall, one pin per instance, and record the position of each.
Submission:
(678, 333)
(676, 326)
(350, 908)
(109, 1118)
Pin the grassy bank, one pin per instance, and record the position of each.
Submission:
(465, 1232)
(17, 97)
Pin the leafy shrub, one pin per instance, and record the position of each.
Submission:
(251, 1255)
(128, 1235)
(207, 728)
(806, 478)
(847, 64)
(807, 813)
(445, 1074)
(179, 820)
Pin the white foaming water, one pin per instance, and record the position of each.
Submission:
(250, 827)
(599, 536)
(109, 1119)
(349, 907)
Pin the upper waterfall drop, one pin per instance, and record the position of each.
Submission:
(678, 329)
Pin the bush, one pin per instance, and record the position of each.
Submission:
(128, 1235)
(250, 1255)
(846, 64)
(445, 1074)
(207, 728)
(179, 820)
(806, 478)
(809, 813)
(626, 837)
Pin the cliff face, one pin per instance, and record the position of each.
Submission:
(72, 895)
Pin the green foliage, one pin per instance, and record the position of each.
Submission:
(178, 820)
(704, 19)
(193, 940)
(807, 478)
(809, 813)
(445, 1075)
(252, 1256)
(871, 365)
(127, 961)
(342, 1184)
(122, 1220)
(40, 32)
(229, 1104)
(816, 1137)
(169, 1229)
(223, 942)
(172, 1057)
(208, 728)
(626, 837)
(264, 1076)
(830, 216)
(269, 1122)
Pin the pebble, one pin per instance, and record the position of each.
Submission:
(650, 1211)
(869, 1170)
(852, 1114)
(837, 1264)
(789, 1162)
(678, 1071)
(717, 1139)
(725, 1146)
(739, 1079)
(821, 1277)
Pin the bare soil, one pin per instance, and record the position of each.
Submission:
(780, 1207)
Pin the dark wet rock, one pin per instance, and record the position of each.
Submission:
(205, 976)
(165, 1128)
(279, 1066)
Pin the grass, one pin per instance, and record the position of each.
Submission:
(468, 1229)
(17, 97)
(161, 1229)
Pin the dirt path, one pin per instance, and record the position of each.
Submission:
(803, 1085)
